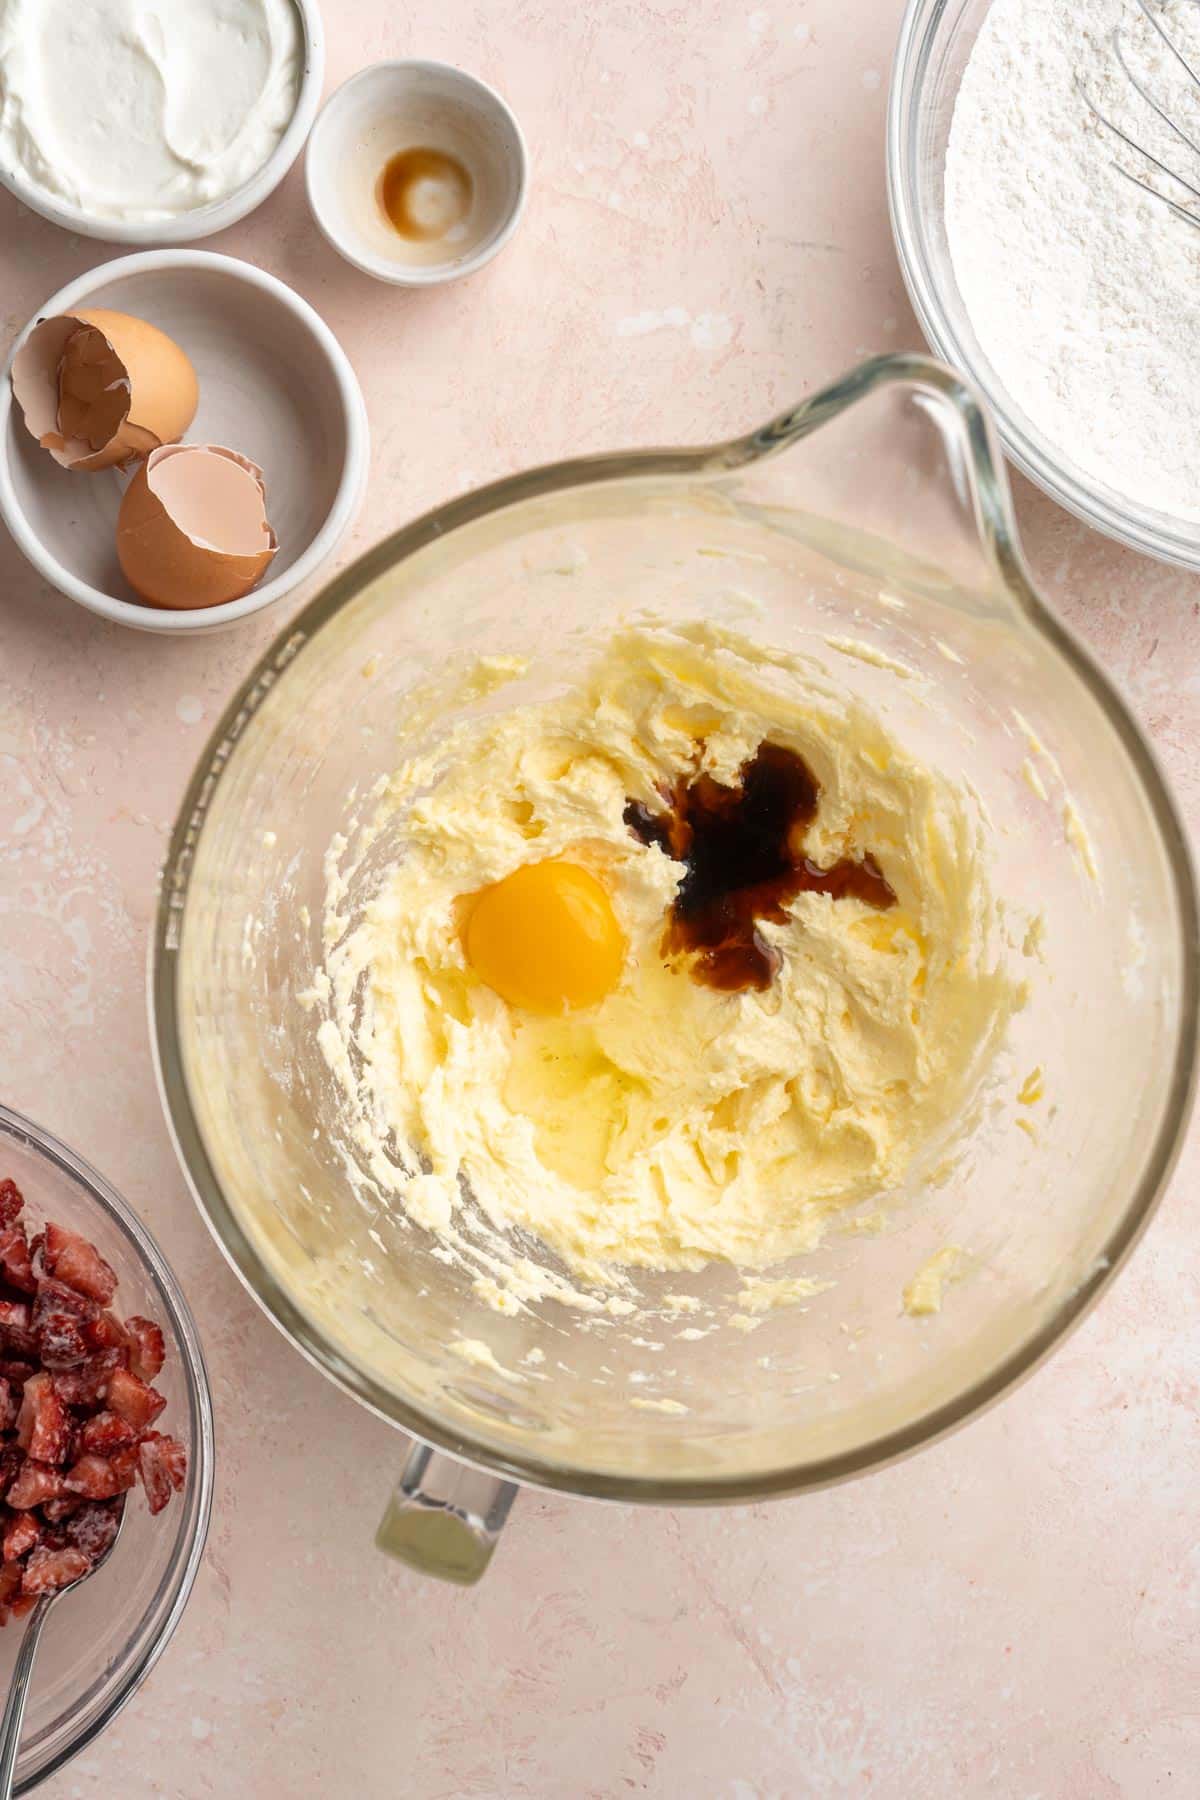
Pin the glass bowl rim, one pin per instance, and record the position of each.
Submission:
(997, 530)
(60, 1156)
(1139, 528)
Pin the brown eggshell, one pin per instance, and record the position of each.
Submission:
(201, 558)
(161, 386)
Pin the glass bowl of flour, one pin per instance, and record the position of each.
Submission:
(1034, 261)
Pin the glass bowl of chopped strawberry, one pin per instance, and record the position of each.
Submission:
(105, 1413)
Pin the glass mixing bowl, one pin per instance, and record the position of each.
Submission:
(936, 40)
(103, 1640)
(870, 529)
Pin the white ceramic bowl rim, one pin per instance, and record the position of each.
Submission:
(429, 274)
(345, 501)
(202, 221)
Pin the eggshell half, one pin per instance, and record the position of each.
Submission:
(99, 388)
(192, 530)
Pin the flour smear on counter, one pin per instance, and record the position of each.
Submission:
(1083, 291)
(144, 109)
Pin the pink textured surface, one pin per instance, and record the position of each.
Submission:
(1016, 1612)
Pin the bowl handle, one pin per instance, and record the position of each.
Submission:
(908, 482)
(444, 1517)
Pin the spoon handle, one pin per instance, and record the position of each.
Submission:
(14, 1711)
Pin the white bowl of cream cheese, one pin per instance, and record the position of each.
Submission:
(154, 121)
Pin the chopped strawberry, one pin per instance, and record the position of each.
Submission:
(94, 1526)
(61, 1343)
(155, 1479)
(8, 1406)
(56, 1297)
(20, 1535)
(131, 1397)
(14, 1259)
(107, 1333)
(79, 1264)
(50, 1569)
(162, 1463)
(10, 1584)
(101, 1477)
(11, 1202)
(175, 1456)
(105, 1432)
(24, 1426)
(16, 1373)
(24, 1603)
(15, 1335)
(43, 1428)
(125, 1466)
(86, 1387)
(58, 1510)
(34, 1484)
(149, 1351)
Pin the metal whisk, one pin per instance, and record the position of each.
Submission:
(1140, 88)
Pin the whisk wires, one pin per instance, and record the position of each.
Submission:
(1160, 112)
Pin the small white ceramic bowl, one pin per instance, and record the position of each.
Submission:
(395, 106)
(275, 384)
(202, 221)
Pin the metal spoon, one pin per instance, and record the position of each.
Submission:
(18, 1693)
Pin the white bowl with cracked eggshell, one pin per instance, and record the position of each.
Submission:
(154, 121)
(275, 388)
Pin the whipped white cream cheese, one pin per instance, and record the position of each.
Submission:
(145, 109)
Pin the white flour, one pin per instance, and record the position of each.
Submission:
(1084, 293)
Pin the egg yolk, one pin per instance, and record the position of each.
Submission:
(546, 938)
